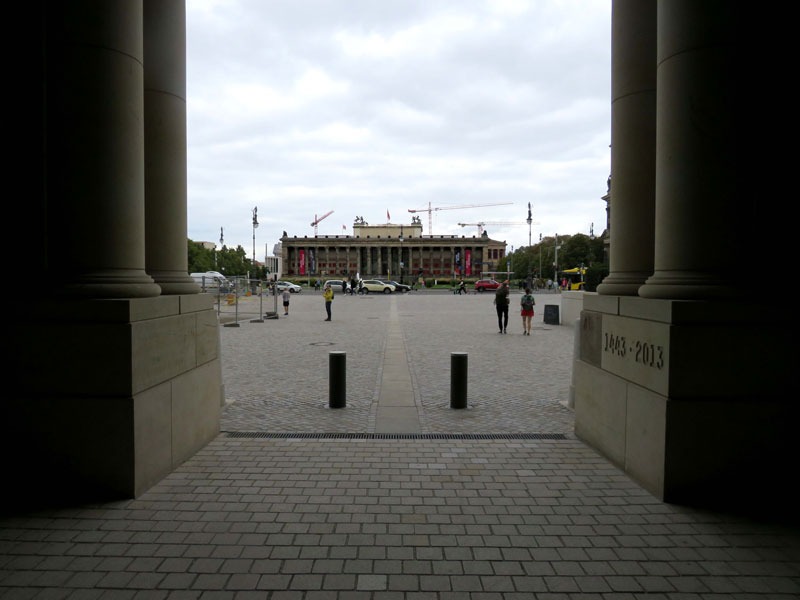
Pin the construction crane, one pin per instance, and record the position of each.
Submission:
(482, 223)
(431, 209)
(316, 220)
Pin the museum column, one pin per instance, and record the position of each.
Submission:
(165, 145)
(95, 148)
(114, 384)
(633, 145)
(696, 207)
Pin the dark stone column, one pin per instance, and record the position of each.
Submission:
(696, 191)
(165, 145)
(633, 145)
(95, 148)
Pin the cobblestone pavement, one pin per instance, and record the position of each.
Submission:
(388, 520)
(300, 518)
(276, 373)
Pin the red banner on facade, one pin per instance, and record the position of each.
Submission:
(468, 261)
(302, 262)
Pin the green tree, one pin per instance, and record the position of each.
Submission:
(538, 260)
(233, 263)
(577, 250)
(201, 259)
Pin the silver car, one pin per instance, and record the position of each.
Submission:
(287, 285)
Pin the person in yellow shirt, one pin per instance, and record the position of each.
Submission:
(328, 295)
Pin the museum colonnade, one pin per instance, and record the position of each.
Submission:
(344, 255)
(116, 146)
(677, 381)
(118, 379)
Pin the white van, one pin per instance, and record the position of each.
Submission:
(210, 280)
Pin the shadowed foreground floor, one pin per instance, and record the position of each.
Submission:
(376, 519)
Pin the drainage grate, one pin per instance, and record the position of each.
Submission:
(397, 436)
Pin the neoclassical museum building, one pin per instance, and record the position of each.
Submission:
(390, 250)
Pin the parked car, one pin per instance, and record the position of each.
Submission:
(486, 284)
(398, 287)
(336, 285)
(374, 285)
(288, 285)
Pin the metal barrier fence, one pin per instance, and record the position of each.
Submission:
(241, 298)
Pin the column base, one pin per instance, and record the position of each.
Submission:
(678, 285)
(109, 396)
(120, 283)
(622, 284)
(175, 282)
(690, 399)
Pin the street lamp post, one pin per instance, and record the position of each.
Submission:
(555, 263)
(530, 222)
(400, 257)
(221, 243)
(540, 255)
(255, 226)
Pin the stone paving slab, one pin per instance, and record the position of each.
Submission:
(384, 520)
(276, 373)
(408, 519)
(516, 383)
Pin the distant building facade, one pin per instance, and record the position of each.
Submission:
(274, 261)
(390, 250)
(273, 264)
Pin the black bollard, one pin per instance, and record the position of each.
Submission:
(337, 379)
(458, 379)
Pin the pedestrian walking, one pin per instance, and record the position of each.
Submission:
(527, 303)
(501, 304)
(462, 288)
(352, 285)
(344, 287)
(328, 296)
(286, 295)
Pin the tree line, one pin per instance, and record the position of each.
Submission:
(231, 262)
(538, 261)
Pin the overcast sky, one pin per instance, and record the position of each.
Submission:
(365, 107)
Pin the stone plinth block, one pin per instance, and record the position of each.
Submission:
(600, 410)
(692, 399)
(113, 394)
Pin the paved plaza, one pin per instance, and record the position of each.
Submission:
(272, 509)
(276, 373)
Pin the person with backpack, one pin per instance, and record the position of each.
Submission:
(527, 303)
